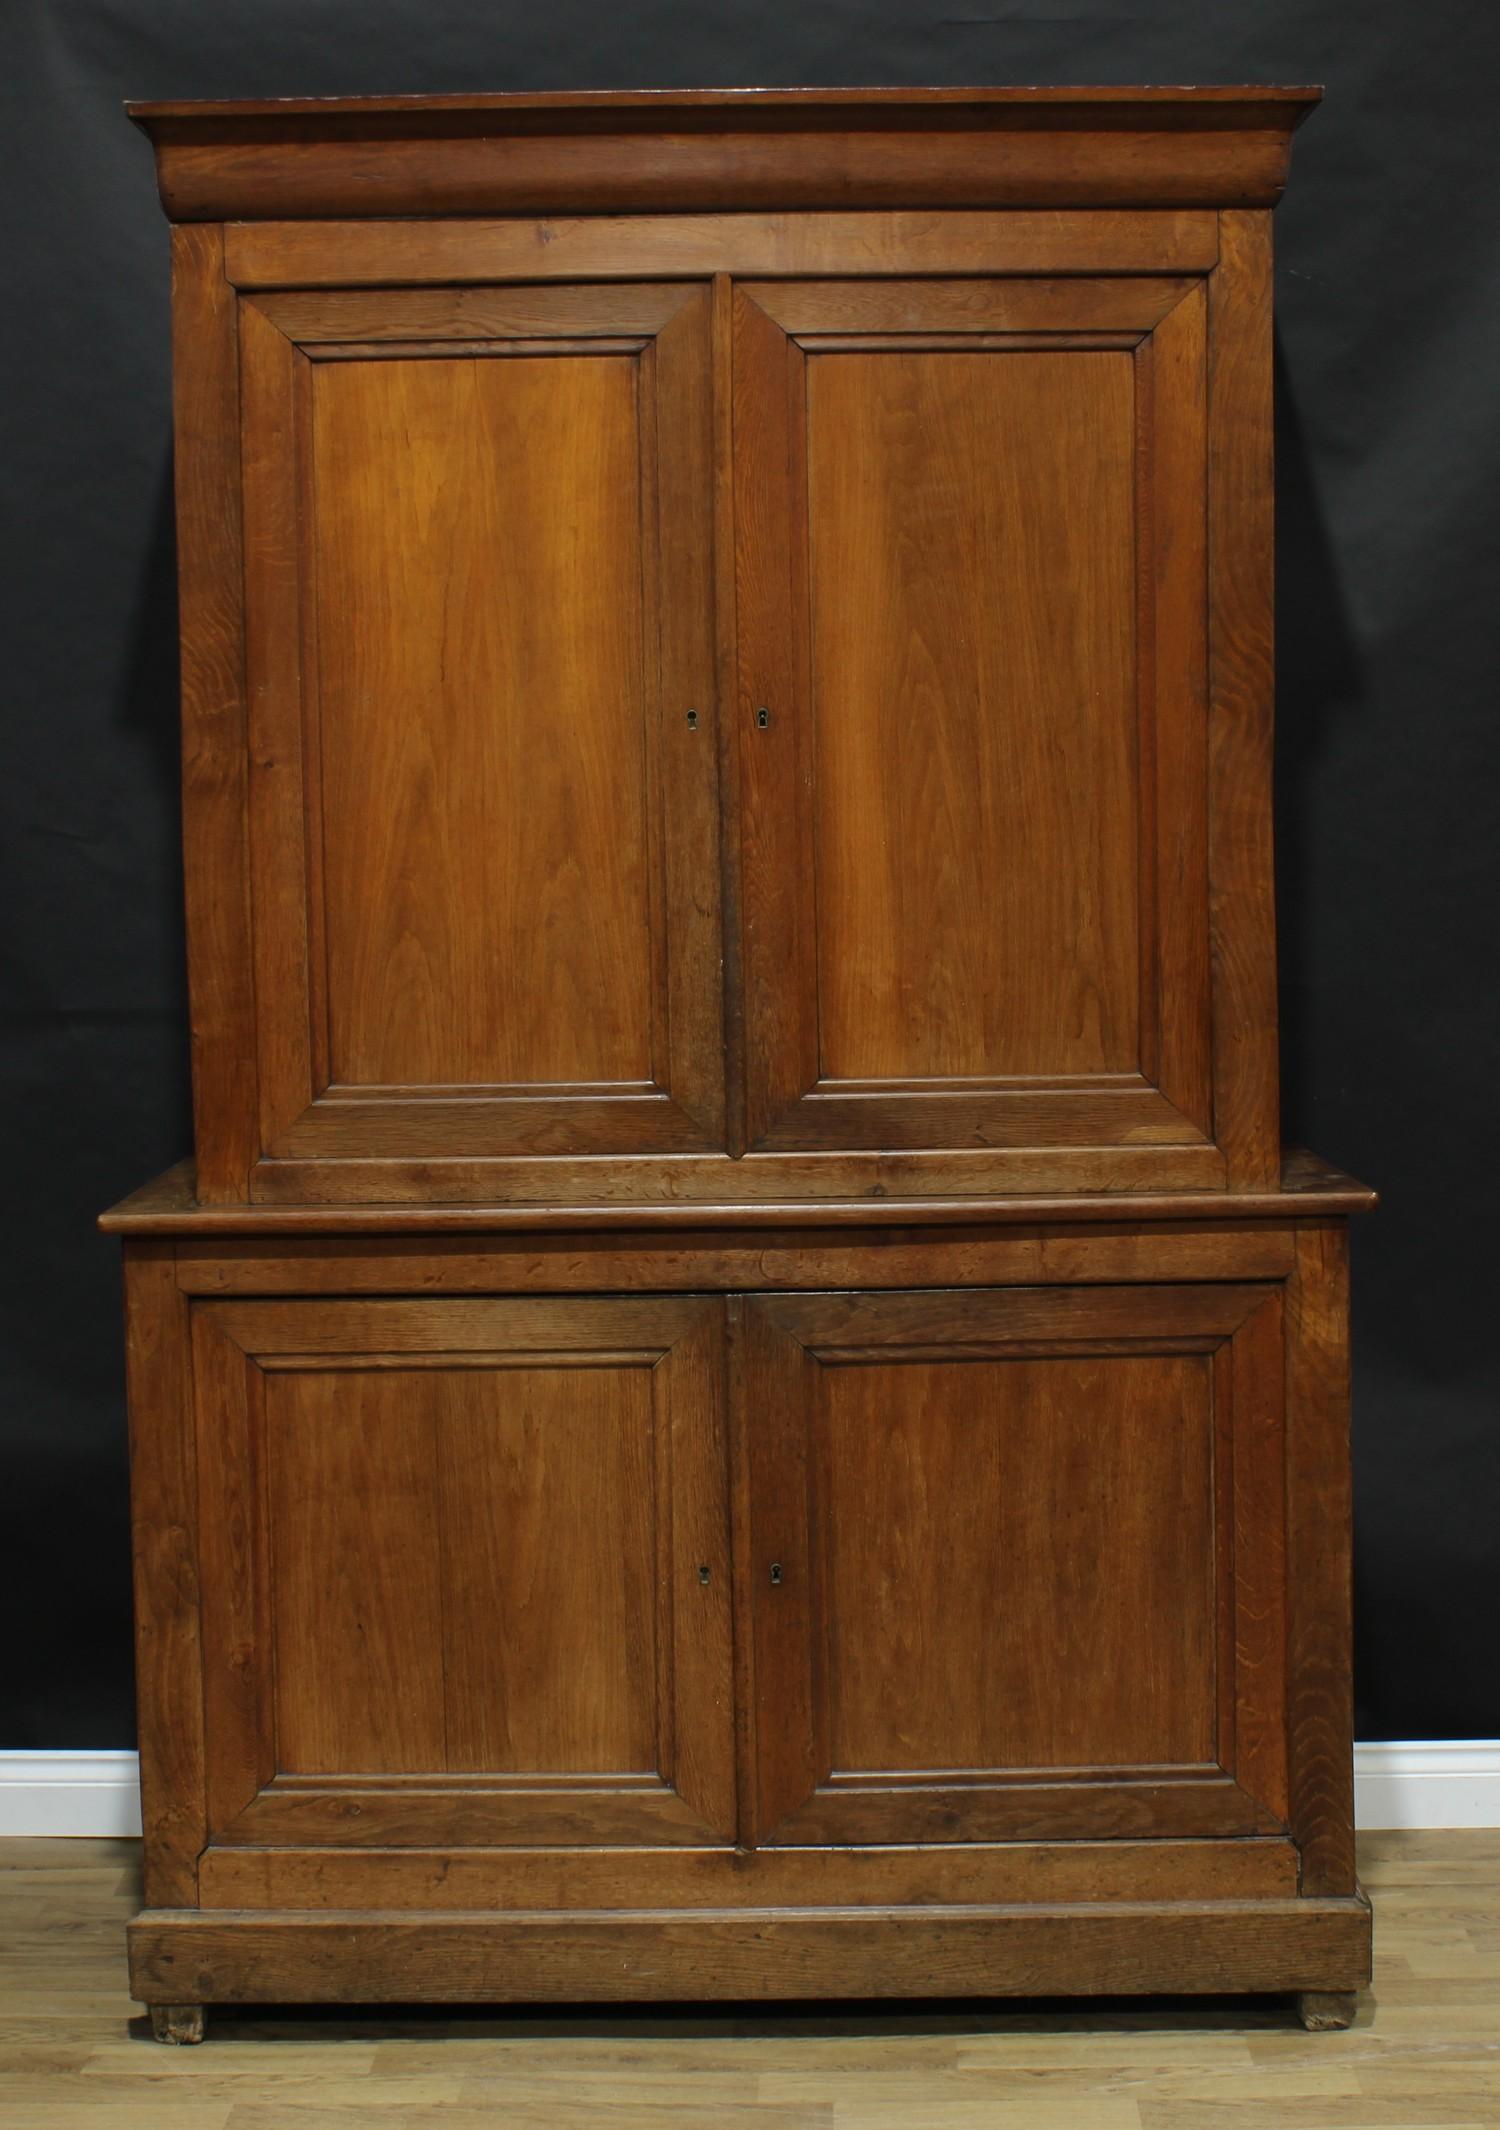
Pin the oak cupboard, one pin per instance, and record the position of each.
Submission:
(739, 1398)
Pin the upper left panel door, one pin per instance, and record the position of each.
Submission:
(482, 785)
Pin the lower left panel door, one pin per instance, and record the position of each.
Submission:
(465, 1575)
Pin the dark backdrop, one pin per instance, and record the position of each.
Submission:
(1389, 466)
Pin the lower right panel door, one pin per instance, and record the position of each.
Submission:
(1015, 1564)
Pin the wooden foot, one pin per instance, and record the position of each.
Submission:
(182, 2024)
(1325, 2011)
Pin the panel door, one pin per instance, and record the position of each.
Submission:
(480, 652)
(971, 577)
(464, 1572)
(1014, 1564)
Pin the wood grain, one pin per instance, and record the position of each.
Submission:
(1172, 680)
(164, 1522)
(972, 675)
(206, 460)
(530, 315)
(899, 1258)
(705, 149)
(1319, 1560)
(778, 947)
(1241, 645)
(491, 1518)
(1078, 1492)
(548, 1508)
(286, 851)
(940, 1429)
(597, 1181)
(1125, 1948)
(683, 172)
(487, 875)
(355, 1596)
(326, 255)
(887, 1651)
(918, 835)
(574, 1004)
(230, 1523)
(1255, 1454)
(780, 1689)
(312, 1878)
(998, 305)
(465, 1814)
(167, 1205)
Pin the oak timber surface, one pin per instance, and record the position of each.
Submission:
(536, 1502)
(724, 148)
(969, 714)
(1423, 2054)
(920, 1462)
(479, 565)
(1310, 1188)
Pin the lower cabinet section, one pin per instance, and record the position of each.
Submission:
(919, 1638)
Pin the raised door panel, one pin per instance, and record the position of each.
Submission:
(486, 878)
(468, 1572)
(971, 580)
(1012, 1564)
(480, 653)
(462, 1570)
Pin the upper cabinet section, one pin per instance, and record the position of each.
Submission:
(764, 701)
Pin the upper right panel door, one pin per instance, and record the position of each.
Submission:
(971, 545)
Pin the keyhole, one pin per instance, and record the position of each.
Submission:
(703, 1574)
(692, 718)
(762, 718)
(775, 1571)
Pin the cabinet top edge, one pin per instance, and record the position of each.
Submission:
(710, 150)
(1310, 1189)
(1148, 102)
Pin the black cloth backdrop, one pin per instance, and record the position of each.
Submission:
(1389, 466)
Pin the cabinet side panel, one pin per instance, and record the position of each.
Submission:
(1241, 704)
(169, 1671)
(206, 422)
(1320, 1693)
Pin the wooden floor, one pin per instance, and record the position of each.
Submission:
(1424, 2053)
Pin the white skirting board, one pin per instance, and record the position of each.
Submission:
(69, 1793)
(1442, 1782)
(1436, 1782)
